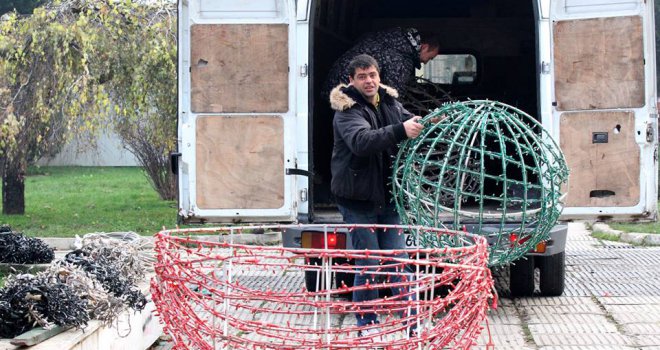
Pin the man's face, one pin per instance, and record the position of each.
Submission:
(426, 53)
(366, 81)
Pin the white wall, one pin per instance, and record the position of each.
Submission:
(108, 153)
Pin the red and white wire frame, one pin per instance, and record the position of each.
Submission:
(214, 293)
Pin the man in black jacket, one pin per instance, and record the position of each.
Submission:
(398, 52)
(369, 124)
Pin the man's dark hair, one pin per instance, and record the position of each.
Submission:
(431, 39)
(362, 61)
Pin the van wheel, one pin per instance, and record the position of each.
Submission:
(553, 274)
(310, 278)
(521, 277)
(348, 279)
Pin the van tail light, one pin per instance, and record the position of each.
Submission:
(540, 247)
(516, 240)
(316, 240)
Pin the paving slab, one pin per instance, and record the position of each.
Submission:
(572, 328)
(599, 347)
(503, 336)
(636, 308)
(552, 301)
(630, 300)
(625, 318)
(651, 328)
(580, 309)
(583, 339)
(566, 319)
(633, 237)
(504, 315)
(647, 340)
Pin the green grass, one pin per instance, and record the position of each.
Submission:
(65, 201)
(605, 236)
(651, 227)
(647, 227)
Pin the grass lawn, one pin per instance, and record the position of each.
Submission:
(648, 227)
(65, 201)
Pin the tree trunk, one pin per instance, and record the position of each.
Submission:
(13, 187)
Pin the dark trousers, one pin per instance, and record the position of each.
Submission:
(380, 239)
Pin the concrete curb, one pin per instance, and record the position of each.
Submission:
(638, 238)
(268, 238)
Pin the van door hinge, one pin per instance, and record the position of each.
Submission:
(304, 70)
(649, 133)
(545, 67)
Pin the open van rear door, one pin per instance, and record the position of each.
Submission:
(236, 110)
(604, 106)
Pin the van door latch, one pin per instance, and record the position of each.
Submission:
(649, 133)
(301, 172)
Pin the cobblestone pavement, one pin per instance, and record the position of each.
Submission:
(612, 301)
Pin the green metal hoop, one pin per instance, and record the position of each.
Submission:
(486, 167)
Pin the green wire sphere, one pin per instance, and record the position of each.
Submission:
(484, 167)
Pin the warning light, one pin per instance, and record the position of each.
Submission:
(332, 240)
(513, 238)
(316, 240)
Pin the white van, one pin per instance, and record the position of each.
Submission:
(255, 137)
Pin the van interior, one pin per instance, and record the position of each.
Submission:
(487, 51)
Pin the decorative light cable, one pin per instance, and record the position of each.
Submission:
(486, 167)
(215, 294)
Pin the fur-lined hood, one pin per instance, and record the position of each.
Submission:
(341, 101)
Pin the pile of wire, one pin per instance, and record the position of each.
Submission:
(96, 281)
(101, 304)
(15, 248)
(109, 274)
(122, 249)
(28, 300)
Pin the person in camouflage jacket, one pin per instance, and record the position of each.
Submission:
(398, 52)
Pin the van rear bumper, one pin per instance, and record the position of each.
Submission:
(556, 243)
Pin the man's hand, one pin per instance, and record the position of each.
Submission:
(413, 127)
(436, 120)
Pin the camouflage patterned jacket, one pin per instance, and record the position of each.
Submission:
(396, 51)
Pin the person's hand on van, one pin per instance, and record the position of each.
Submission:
(413, 127)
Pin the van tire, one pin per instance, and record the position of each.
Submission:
(310, 278)
(553, 274)
(348, 279)
(521, 277)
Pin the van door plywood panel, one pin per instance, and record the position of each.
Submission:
(239, 68)
(601, 174)
(599, 63)
(240, 162)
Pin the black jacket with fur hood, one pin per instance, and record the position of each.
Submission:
(365, 140)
